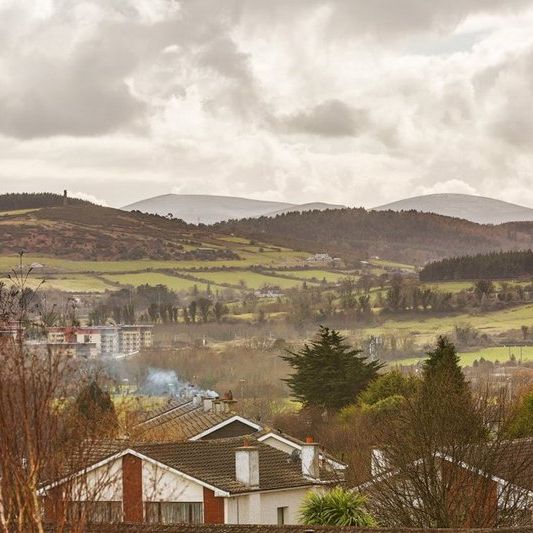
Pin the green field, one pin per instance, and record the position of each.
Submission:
(155, 278)
(424, 330)
(252, 280)
(316, 275)
(500, 353)
(74, 283)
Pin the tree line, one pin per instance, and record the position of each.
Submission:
(493, 265)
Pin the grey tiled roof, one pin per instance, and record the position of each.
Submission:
(213, 462)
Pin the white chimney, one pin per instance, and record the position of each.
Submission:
(310, 458)
(247, 465)
(208, 404)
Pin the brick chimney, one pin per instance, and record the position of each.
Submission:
(310, 459)
(247, 464)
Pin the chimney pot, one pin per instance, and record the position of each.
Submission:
(309, 439)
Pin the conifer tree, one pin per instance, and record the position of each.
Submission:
(328, 372)
(96, 410)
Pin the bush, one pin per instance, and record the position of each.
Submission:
(337, 507)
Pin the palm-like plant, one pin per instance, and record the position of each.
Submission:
(337, 507)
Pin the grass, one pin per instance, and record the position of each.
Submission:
(154, 278)
(317, 275)
(498, 353)
(252, 280)
(74, 283)
(426, 329)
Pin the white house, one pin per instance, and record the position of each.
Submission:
(224, 481)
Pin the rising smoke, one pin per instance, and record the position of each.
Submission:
(160, 382)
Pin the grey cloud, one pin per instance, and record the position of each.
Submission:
(331, 118)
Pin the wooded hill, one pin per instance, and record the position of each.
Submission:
(494, 265)
(102, 233)
(81, 230)
(26, 200)
(410, 237)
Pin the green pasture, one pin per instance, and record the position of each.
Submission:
(73, 283)
(316, 275)
(425, 329)
(495, 353)
(251, 280)
(155, 278)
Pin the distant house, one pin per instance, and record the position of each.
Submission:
(320, 258)
(269, 291)
(222, 481)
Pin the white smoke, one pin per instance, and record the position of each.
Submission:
(161, 382)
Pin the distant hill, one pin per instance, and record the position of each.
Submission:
(209, 209)
(93, 232)
(474, 208)
(25, 200)
(409, 237)
(319, 206)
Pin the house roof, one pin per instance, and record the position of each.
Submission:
(212, 462)
(297, 445)
(180, 421)
(509, 462)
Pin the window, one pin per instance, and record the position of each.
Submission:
(282, 515)
(174, 512)
(95, 512)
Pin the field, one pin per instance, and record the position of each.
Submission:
(155, 278)
(500, 353)
(315, 275)
(98, 276)
(251, 280)
(424, 330)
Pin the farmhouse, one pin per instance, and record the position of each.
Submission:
(231, 481)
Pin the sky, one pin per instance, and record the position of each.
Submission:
(353, 102)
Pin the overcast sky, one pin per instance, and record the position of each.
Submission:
(358, 102)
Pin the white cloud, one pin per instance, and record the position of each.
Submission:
(346, 101)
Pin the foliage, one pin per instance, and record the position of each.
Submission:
(337, 507)
(96, 409)
(357, 233)
(521, 424)
(328, 372)
(391, 384)
(13, 201)
(481, 266)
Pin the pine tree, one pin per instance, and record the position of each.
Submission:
(443, 364)
(328, 372)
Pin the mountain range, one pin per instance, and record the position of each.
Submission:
(209, 209)
(478, 209)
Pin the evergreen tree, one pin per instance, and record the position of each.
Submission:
(445, 401)
(96, 410)
(328, 372)
(443, 364)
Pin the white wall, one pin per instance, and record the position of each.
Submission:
(262, 508)
(101, 484)
(279, 445)
(161, 485)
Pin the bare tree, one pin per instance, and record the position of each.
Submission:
(442, 471)
(37, 442)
